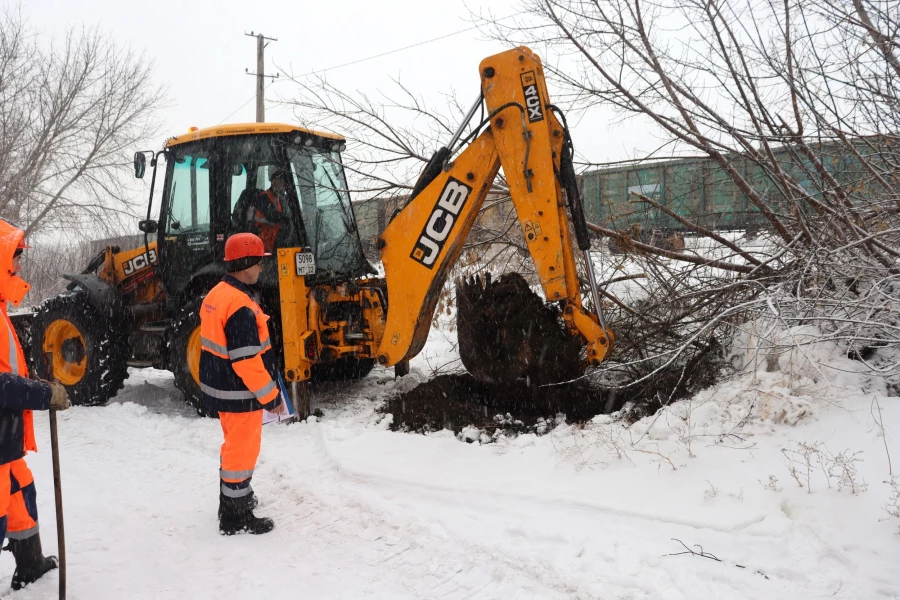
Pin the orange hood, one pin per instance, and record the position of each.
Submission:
(12, 287)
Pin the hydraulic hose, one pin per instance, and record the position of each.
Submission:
(569, 182)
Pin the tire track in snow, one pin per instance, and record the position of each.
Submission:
(634, 567)
(528, 564)
(452, 571)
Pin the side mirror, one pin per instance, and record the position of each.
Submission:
(140, 164)
(148, 226)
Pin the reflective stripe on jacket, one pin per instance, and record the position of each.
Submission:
(237, 365)
(18, 394)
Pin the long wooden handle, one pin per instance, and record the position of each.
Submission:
(57, 489)
(57, 486)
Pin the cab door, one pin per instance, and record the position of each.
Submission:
(186, 242)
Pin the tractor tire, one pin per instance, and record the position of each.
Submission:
(184, 356)
(88, 348)
(343, 369)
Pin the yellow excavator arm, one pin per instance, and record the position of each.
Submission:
(425, 238)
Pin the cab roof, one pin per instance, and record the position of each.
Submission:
(246, 129)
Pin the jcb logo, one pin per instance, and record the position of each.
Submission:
(139, 262)
(532, 97)
(440, 223)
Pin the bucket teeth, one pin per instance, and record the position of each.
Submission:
(506, 332)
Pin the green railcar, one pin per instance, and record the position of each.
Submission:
(700, 191)
(694, 189)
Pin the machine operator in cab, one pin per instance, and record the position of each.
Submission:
(265, 214)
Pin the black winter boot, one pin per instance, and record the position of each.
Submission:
(223, 500)
(236, 516)
(31, 564)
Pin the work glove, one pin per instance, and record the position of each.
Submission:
(60, 399)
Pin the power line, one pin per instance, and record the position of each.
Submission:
(368, 58)
(249, 100)
(356, 62)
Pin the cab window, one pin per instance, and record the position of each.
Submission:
(189, 196)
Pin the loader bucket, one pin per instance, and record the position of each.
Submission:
(506, 332)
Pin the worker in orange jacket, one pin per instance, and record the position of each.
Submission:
(20, 396)
(267, 213)
(238, 376)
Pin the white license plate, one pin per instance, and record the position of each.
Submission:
(306, 263)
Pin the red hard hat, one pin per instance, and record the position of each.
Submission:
(244, 245)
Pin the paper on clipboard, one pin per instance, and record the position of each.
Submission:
(270, 417)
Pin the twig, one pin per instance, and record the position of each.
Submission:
(657, 453)
(880, 422)
(701, 554)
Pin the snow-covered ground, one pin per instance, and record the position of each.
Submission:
(597, 511)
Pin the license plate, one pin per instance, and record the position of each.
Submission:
(306, 263)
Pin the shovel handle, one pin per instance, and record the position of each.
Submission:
(57, 489)
(57, 486)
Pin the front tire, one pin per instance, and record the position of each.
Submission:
(82, 346)
(184, 356)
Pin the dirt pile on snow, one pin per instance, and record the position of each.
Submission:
(462, 403)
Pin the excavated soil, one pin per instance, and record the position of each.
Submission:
(460, 402)
(507, 332)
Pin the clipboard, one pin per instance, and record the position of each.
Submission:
(270, 417)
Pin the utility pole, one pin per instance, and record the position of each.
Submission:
(261, 74)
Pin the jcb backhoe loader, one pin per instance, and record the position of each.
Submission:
(332, 317)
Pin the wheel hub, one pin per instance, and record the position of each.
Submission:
(67, 352)
(73, 350)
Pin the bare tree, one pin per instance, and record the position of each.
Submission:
(796, 103)
(72, 111)
(44, 265)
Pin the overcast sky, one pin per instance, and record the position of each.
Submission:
(201, 52)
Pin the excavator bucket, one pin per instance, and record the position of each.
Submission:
(507, 332)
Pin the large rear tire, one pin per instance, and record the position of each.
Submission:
(87, 348)
(184, 356)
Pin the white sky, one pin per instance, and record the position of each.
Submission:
(200, 52)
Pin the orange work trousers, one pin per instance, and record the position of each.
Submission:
(18, 501)
(243, 435)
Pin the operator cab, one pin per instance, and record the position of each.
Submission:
(214, 178)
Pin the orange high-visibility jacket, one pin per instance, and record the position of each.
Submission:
(18, 394)
(267, 215)
(238, 371)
